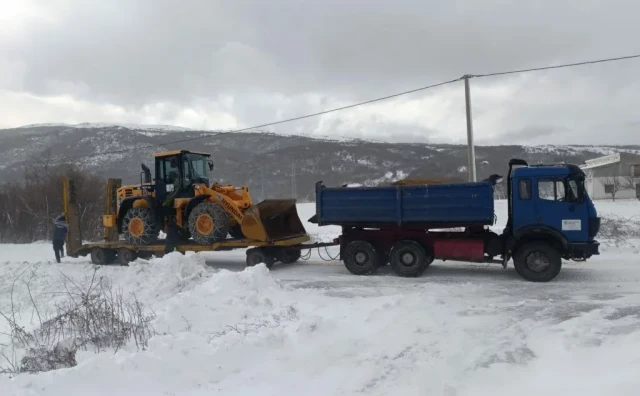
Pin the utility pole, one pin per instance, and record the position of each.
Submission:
(471, 148)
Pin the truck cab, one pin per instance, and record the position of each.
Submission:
(549, 205)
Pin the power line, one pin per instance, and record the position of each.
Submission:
(556, 66)
(276, 122)
(363, 103)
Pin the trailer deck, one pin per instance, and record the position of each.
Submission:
(112, 249)
(284, 250)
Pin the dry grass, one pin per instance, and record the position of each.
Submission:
(93, 317)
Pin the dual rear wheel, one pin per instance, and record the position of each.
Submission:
(407, 258)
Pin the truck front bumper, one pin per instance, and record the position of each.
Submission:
(583, 251)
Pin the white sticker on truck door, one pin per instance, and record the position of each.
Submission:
(571, 225)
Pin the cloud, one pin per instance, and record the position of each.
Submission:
(220, 64)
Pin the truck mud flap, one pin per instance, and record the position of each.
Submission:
(271, 220)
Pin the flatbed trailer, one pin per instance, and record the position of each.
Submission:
(113, 250)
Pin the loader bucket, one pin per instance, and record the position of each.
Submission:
(271, 220)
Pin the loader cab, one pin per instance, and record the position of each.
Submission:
(183, 170)
(551, 201)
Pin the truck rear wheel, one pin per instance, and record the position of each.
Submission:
(139, 226)
(409, 259)
(208, 223)
(361, 258)
(537, 262)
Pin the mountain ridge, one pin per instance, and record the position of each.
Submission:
(272, 165)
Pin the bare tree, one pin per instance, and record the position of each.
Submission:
(28, 207)
(632, 183)
(613, 184)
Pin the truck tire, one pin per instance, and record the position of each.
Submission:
(139, 226)
(409, 259)
(537, 262)
(208, 223)
(361, 258)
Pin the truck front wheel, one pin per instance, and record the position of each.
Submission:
(361, 258)
(537, 262)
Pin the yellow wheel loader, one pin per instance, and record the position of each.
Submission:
(206, 212)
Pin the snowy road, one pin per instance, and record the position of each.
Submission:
(314, 329)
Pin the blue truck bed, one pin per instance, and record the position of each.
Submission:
(439, 205)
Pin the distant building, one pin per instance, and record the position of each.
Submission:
(619, 173)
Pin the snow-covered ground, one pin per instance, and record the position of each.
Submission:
(314, 329)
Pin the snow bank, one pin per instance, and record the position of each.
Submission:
(317, 330)
(249, 333)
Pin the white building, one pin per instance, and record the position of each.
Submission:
(617, 173)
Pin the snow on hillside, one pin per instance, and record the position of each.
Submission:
(314, 329)
(564, 149)
(87, 125)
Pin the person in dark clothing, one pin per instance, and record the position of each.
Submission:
(173, 235)
(60, 229)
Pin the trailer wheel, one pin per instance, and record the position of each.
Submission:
(537, 262)
(126, 256)
(288, 255)
(102, 256)
(409, 259)
(145, 255)
(256, 256)
(361, 258)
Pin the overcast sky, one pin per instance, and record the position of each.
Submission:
(235, 63)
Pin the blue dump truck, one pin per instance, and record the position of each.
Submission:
(550, 218)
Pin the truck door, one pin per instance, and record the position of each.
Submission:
(560, 206)
(524, 206)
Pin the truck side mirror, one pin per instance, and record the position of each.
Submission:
(210, 163)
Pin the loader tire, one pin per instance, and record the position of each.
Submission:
(208, 223)
(139, 226)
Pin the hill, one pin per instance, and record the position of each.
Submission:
(272, 165)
